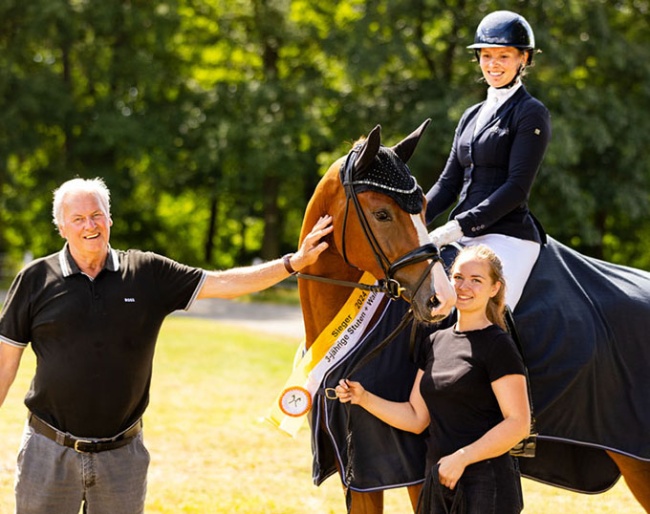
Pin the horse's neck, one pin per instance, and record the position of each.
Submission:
(321, 302)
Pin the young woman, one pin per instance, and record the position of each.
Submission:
(471, 393)
(498, 147)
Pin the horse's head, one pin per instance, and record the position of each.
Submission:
(378, 211)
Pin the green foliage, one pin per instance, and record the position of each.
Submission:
(594, 86)
(212, 120)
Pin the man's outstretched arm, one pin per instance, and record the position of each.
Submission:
(249, 279)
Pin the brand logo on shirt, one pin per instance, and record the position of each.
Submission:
(129, 300)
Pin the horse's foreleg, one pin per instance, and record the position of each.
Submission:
(367, 503)
(373, 502)
(414, 495)
(637, 477)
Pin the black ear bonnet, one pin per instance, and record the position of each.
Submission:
(387, 174)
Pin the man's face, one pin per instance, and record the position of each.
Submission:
(86, 225)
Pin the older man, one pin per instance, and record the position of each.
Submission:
(92, 314)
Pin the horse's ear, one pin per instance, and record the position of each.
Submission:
(370, 148)
(405, 148)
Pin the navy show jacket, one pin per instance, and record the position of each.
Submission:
(491, 174)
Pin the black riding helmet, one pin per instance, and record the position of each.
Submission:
(504, 28)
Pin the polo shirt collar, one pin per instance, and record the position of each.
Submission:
(69, 266)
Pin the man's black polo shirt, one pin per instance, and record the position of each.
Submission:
(94, 339)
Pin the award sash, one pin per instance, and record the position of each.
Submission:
(341, 335)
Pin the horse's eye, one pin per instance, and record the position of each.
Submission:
(382, 215)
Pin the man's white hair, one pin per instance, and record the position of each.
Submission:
(96, 186)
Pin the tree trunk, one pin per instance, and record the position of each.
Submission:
(212, 228)
(272, 222)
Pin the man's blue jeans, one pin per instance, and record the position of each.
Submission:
(54, 479)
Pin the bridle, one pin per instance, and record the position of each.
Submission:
(389, 285)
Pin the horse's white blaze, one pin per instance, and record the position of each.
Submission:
(421, 229)
(422, 232)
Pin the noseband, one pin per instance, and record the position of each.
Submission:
(389, 285)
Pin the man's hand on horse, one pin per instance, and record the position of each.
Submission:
(312, 245)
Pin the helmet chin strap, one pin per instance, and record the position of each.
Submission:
(515, 78)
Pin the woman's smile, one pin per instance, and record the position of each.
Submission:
(501, 65)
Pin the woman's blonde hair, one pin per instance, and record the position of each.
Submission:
(496, 307)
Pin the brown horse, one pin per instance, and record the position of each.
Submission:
(601, 335)
(367, 193)
(637, 476)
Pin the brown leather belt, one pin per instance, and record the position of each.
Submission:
(81, 444)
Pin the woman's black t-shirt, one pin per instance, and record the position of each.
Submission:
(459, 368)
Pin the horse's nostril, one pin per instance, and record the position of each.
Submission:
(433, 302)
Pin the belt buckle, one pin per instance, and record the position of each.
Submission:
(81, 441)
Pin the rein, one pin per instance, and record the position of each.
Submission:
(390, 286)
(330, 394)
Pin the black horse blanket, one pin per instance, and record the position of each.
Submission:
(376, 456)
(584, 325)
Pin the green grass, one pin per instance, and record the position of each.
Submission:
(212, 451)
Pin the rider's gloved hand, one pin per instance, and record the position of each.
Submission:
(450, 232)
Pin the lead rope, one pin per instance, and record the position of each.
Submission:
(406, 319)
(349, 468)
